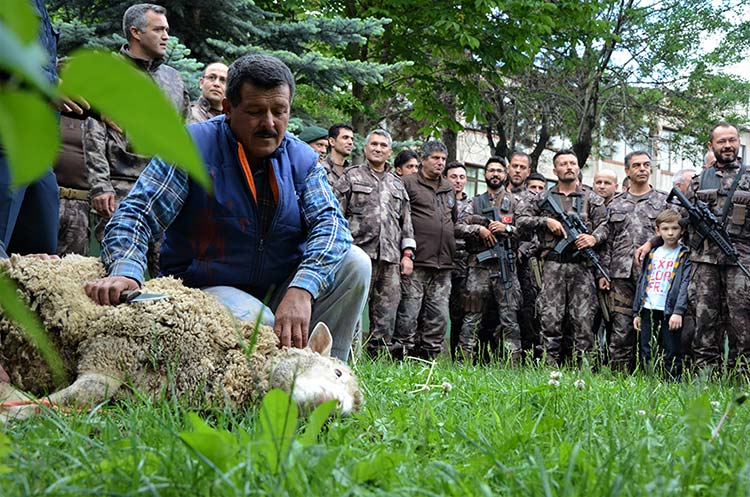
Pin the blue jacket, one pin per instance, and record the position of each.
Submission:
(216, 238)
(678, 287)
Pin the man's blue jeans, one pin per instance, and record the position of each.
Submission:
(339, 306)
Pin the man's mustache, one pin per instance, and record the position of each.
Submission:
(267, 134)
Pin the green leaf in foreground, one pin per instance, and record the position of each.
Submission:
(4, 451)
(217, 446)
(29, 132)
(20, 17)
(24, 61)
(278, 424)
(19, 313)
(315, 422)
(134, 101)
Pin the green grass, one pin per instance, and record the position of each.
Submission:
(496, 432)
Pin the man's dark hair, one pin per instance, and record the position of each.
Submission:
(136, 16)
(333, 131)
(404, 156)
(432, 146)
(563, 151)
(264, 72)
(632, 154)
(520, 153)
(496, 158)
(454, 164)
(537, 177)
(722, 124)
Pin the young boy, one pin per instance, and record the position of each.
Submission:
(661, 295)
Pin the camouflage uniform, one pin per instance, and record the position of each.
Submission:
(460, 273)
(201, 110)
(568, 287)
(112, 165)
(718, 287)
(70, 170)
(483, 282)
(632, 221)
(423, 314)
(377, 208)
(334, 172)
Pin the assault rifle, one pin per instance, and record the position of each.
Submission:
(707, 226)
(502, 251)
(573, 227)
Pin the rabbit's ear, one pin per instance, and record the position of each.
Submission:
(320, 340)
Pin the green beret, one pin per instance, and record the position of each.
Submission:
(313, 133)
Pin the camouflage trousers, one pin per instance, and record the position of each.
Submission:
(722, 309)
(455, 305)
(484, 292)
(423, 312)
(567, 294)
(385, 293)
(527, 318)
(623, 339)
(73, 236)
(122, 188)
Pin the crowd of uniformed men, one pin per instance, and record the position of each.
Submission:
(498, 269)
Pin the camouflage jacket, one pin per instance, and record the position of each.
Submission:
(201, 110)
(377, 208)
(632, 221)
(334, 172)
(504, 201)
(107, 152)
(712, 187)
(532, 215)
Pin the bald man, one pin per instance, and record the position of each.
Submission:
(682, 179)
(605, 184)
(213, 84)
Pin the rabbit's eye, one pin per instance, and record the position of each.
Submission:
(338, 373)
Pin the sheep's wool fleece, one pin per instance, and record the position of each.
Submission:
(188, 338)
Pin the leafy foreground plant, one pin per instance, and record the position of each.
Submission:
(496, 431)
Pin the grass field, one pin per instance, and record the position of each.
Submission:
(495, 431)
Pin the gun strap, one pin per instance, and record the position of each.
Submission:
(730, 194)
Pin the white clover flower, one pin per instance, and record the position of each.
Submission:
(640, 412)
(660, 416)
(715, 404)
(555, 375)
(447, 387)
(579, 384)
(553, 382)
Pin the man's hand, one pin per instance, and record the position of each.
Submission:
(637, 323)
(293, 318)
(642, 251)
(106, 291)
(4, 378)
(675, 322)
(496, 227)
(585, 240)
(604, 284)
(555, 227)
(73, 105)
(407, 266)
(104, 204)
(487, 237)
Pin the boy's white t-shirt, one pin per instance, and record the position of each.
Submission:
(659, 277)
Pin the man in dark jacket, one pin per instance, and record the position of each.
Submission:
(270, 227)
(112, 165)
(423, 312)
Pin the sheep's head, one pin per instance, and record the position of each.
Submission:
(311, 376)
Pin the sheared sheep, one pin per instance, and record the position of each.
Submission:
(187, 345)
